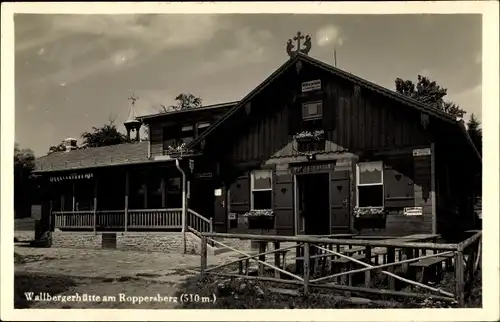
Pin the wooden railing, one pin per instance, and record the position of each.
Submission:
(155, 218)
(115, 219)
(321, 262)
(74, 219)
(196, 223)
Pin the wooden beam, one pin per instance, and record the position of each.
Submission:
(95, 203)
(162, 188)
(356, 242)
(73, 195)
(127, 183)
(433, 188)
(306, 268)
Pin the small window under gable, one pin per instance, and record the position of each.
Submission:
(202, 127)
(187, 134)
(370, 184)
(262, 189)
(312, 110)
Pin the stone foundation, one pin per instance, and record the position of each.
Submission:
(165, 242)
(76, 240)
(24, 235)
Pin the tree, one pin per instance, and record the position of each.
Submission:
(184, 102)
(103, 136)
(57, 148)
(429, 92)
(24, 183)
(475, 132)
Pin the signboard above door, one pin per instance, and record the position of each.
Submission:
(313, 85)
(421, 152)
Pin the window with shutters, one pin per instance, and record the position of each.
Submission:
(187, 134)
(261, 189)
(312, 110)
(370, 184)
(201, 127)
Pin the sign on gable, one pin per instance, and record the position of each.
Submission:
(313, 85)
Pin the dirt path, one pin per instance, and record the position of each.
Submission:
(122, 274)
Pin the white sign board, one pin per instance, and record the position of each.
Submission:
(232, 216)
(218, 192)
(421, 152)
(313, 85)
(413, 211)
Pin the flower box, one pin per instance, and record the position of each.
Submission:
(368, 212)
(260, 219)
(308, 136)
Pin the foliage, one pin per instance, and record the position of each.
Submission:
(259, 213)
(184, 102)
(25, 187)
(104, 136)
(429, 92)
(57, 148)
(475, 132)
(368, 211)
(308, 135)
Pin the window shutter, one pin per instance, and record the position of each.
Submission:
(283, 203)
(240, 194)
(398, 184)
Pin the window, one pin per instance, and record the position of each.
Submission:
(312, 110)
(370, 184)
(261, 186)
(202, 127)
(187, 134)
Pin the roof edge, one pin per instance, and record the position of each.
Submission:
(202, 108)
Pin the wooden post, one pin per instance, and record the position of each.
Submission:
(95, 205)
(211, 225)
(306, 268)
(433, 189)
(277, 259)
(368, 256)
(126, 197)
(73, 192)
(203, 255)
(162, 188)
(145, 190)
(391, 254)
(262, 249)
(459, 278)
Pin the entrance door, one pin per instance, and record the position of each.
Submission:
(314, 203)
(202, 197)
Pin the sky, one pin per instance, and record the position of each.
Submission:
(73, 72)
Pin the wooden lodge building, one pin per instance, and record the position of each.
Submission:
(312, 150)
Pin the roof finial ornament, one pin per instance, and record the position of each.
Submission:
(132, 123)
(299, 38)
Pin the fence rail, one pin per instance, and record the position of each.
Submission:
(329, 262)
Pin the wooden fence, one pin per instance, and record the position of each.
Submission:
(329, 263)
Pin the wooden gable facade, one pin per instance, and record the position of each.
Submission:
(264, 163)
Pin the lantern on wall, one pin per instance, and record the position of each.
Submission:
(424, 120)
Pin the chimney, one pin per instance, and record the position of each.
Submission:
(132, 123)
(70, 144)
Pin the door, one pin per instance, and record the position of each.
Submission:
(314, 205)
(202, 196)
(339, 201)
(220, 209)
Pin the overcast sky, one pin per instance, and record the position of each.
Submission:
(75, 71)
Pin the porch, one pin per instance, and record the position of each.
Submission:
(169, 219)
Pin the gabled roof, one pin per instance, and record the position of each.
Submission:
(146, 118)
(343, 74)
(119, 154)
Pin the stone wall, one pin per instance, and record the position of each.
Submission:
(76, 240)
(165, 242)
(24, 235)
